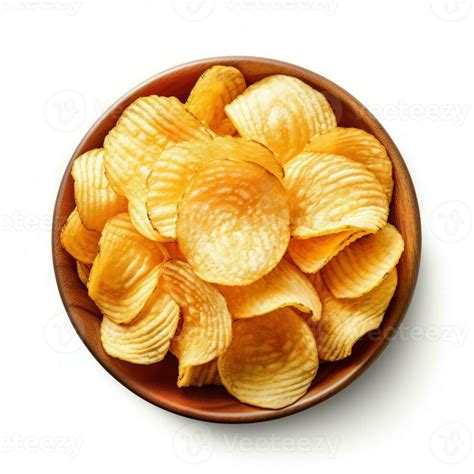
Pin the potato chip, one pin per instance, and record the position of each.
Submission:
(271, 361)
(141, 221)
(174, 169)
(125, 272)
(217, 87)
(143, 131)
(200, 375)
(331, 193)
(361, 266)
(83, 272)
(233, 222)
(357, 145)
(284, 286)
(310, 255)
(344, 321)
(207, 324)
(96, 201)
(81, 243)
(147, 338)
(281, 112)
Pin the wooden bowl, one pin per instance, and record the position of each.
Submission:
(157, 383)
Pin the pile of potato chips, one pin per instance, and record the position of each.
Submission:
(242, 231)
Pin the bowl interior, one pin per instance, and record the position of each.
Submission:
(157, 383)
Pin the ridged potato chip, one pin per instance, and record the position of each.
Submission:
(147, 338)
(283, 113)
(361, 266)
(331, 193)
(217, 87)
(81, 243)
(207, 323)
(357, 145)
(174, 169)
(344, 321)
(141, 221)
(233, 222)
(310, 255)
(96, 201)
(271, 361)
(83, 272)
(284, 286)
(143, 131)
(125, 272)
(200, 375)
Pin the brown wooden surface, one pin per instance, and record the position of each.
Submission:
(157, 383)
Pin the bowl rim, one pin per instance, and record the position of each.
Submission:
(305, 402)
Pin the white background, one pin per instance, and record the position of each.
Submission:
(64, 61)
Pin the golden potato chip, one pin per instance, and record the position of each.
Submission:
(241, 149)
(233, 222)
(96, 201)
(361, 266)
(141, 221)
(271, 361)
(331, 193)
(284, 286)
(281, 112)
(147, 338)
(143, 131)
(125, 272)
(357, 145)
(310, 255)
(344, 321)
(207, 324)
(199, 375)
(81, 243)
(174, 169)
(83, 272)
(217, 87)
